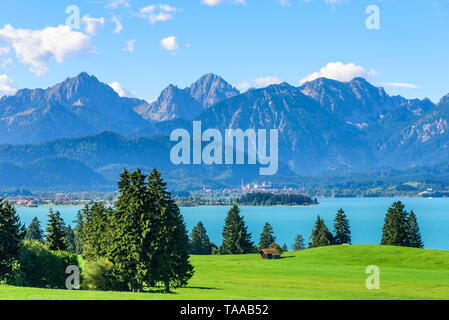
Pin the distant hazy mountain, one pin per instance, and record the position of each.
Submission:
(105, 155)
(175, 103)
(51, 173)
(78, 106)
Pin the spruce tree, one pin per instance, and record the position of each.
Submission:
(236, 239)
(11, 235)
(299, 243)
(342, 229)
(266, 237)
(415, 240)
(69, 236)
(34, 231)
(96, 232)
(167, 238)
(81, 217)
(200, 243)
(321, 236)
(395, 230)
(284, 247)
(131, 216)
(55, 232)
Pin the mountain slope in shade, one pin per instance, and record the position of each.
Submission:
(176, 103)
(77, 106)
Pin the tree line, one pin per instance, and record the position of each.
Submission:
(141, 242)
(400, 229)
(271, 199)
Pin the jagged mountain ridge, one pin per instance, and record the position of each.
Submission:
(176, 103)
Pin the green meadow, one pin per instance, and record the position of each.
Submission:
(336, 272)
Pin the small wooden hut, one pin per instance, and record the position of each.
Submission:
(270, 253)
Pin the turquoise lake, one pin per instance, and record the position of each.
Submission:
(366, 217)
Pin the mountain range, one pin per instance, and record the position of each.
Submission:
(325, 126)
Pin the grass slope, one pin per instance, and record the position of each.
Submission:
(323, 273)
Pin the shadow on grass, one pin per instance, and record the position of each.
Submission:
(161, 290)
(287, 257)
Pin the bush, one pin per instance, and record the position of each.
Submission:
(42, 268)
(99, 275)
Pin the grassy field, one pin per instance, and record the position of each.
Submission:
(322, 273)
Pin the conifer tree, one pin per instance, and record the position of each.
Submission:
(342, 229)
(167, 238)
(236, 239)
(266, 237)
(129, 219)
(395, 230)
(96, 231)
(69, 236)
(284, 247)
(299, 243)
(321, 236)
(34, 231)
(81, 217)
(200, 243)
(11, 235)
(415, 240)
(55, 232)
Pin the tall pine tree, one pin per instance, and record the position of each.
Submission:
(415, 240)
(168, 239)
(266, 237)
(200, 243)
(55, 231)
(11, 235)
(342, 229)
(126, 249)
(81, 217)
(321, 236)
(299, 243)
(95, 231)
(34, 231)
(69, 236)
(395, 230)
(236, 239)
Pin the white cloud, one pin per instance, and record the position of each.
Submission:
(169, 43)
(5, 59)
(258, 83)
(212, 3)
(7, 86)
(36, 47)
(402, 85)
(118, 24)
(117, 3)
(121, 91)
(158, 13)
(340, 71)
(130, 44)
(93, 25)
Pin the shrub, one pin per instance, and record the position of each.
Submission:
(99, 275)
(42, 268)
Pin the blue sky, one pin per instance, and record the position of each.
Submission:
(142, 46)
